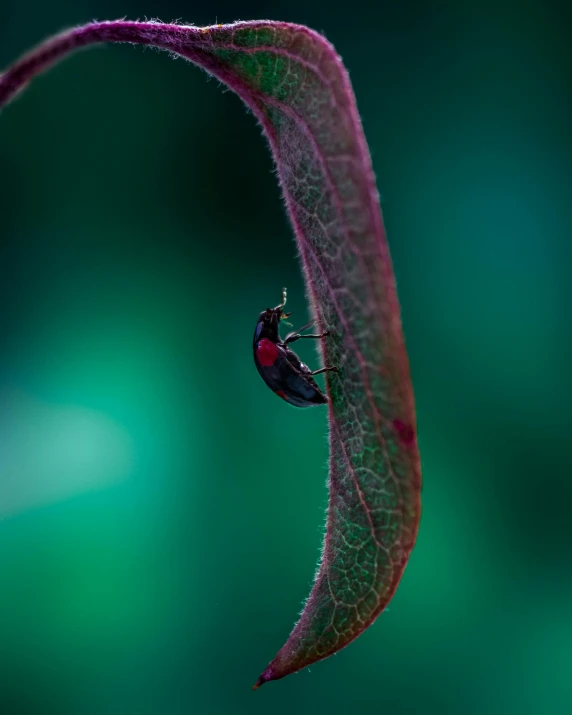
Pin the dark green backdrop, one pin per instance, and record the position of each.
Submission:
(161, 510)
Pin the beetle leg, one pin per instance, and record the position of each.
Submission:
(296, 336)
(325, 369)
(305, 327)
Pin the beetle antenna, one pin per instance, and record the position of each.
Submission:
(279, 307)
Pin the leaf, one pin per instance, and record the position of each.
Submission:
(296, 85)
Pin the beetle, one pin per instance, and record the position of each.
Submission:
(279, 366)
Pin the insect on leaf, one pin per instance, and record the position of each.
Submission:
(296, 85)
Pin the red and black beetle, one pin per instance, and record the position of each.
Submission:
(280, 368)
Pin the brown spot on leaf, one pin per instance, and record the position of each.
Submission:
(405, 431)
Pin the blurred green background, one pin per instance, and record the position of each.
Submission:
(161, 511)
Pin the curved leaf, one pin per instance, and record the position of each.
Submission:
(298, 88)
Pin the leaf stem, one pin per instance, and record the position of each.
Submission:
(56, 48)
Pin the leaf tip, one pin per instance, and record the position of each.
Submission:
(264, 678)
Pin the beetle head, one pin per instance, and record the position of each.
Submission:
(269, 321)
(267, 325)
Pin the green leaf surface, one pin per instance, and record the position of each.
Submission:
(296, 85)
